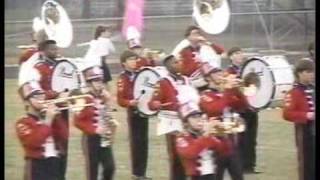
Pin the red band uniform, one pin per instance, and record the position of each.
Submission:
(217, 103)
(248, 138)
(45, 68)
(137, 123)
(96, 146)
(196, 150)
(165, 99)
(43, 143)
(298, 102)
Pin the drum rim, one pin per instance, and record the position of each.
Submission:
(145, 69)
(272, 77)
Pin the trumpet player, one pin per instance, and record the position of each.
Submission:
(222, 99)
(42, 135)
(191, 51)
(196, 146)
(248, 139)
(299, 108)
(47, 61)
(98, 127)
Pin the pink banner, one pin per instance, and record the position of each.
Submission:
(133, 16)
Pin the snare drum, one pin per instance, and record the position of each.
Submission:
(144, 87)
(276, 78)
(65, 76)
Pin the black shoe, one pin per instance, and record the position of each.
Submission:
(251, 171)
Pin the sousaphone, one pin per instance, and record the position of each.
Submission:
(212, 16)
(55, 23)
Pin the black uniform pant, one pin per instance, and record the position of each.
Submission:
(106, 71)
(248, 139)
(305, 142)
(42, 169)
(176, 168)
(204, 177)
(138, 137)
(96, 155)
(232, 163)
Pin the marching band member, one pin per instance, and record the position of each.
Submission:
(165, 99)
(196, 146)
(45, 67)
(137, 124)
(42, 135)
(135, 46)
(98, 127)
(30, 50)
(299, 108)
(221, 99)
(248, 139)
(100, 48)
(191, 57)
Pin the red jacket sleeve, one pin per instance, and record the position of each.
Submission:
(292, 110)
(166, 94)
(84, 120)
(191, 149)
(31, 133)
(236, 99)
(212, 106)
(123, 91)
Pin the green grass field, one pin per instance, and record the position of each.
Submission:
(276, 151)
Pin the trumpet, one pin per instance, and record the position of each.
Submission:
(153, 53)
(75, 103)
(230, 125)
(248, 85)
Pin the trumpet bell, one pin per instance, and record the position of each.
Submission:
(56, 23)
(211, 15)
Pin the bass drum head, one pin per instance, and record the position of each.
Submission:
(144, 87)
(65, 77)
(266, 90)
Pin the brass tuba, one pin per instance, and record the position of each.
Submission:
(55, 23)
(212, 16)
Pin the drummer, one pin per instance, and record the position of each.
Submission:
(137, 124)
(248, 139)
(165, 99)
(45, 66)
(222, 98)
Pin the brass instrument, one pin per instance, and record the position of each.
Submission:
(248, 85)
(155, 54)
(231, 124)
(212, 16)
(106, 121)
(75, 103)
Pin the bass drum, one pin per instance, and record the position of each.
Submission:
(275, 76)
(144, 87)
(65, 77)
